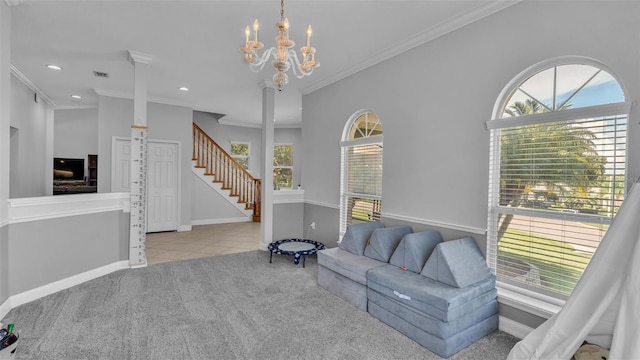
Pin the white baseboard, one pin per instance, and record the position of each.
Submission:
(514, 328)
(184, 228)
(220, 221)
(37, 293)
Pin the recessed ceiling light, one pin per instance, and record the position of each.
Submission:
(54, 67)
(183, 88)
(76, 96)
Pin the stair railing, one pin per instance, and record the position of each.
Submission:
(226, 170)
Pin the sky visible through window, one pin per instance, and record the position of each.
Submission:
(585, 86)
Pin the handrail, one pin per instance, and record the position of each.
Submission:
(226, 170)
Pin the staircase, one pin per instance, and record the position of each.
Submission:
(226, 175)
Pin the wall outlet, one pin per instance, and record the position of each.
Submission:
(313, 225)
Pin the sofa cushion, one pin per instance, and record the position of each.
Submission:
(384, 241)
(357, 235)
(437, 299)
(443, 347)
(414, 249)
(457, 263)
(430, 324)
(352, 266)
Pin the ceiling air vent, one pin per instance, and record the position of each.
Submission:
(100, 74)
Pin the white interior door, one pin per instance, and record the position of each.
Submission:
(120, 156)
(162, 186)
(162, 180)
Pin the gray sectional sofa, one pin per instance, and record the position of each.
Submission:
(440, 294)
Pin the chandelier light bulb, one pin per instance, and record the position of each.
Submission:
(256, 25)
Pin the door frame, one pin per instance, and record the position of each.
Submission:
(114, 139)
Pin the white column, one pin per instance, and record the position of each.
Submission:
(268, 115)
(138, 163)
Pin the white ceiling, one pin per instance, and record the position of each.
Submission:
(196, 44)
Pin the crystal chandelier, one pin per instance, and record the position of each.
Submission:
(284, 56)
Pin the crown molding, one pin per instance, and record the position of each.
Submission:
(231, 122)
(266, 83)
(138, 57)
(31, 85)
(129, 96)
(13, 2)
(444, 27)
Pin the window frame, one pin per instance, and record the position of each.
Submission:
(236, 156)
(531, 301)
(285, 167)
(345, 145)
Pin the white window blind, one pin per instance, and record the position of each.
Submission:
(361, 171)
(555, 187)
(364, 179)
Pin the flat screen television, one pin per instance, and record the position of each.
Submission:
(68, 169)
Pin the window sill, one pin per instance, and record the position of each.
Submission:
(529, 301)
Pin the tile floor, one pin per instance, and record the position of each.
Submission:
(202, 241)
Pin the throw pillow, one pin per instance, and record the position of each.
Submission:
(356, 236)
(458, 263)
(414, 250)
(384, 241)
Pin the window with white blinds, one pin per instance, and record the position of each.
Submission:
(557, 176)
(361, 170)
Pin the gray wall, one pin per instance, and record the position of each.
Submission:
(32, 173)
(287, 221)
(207, 206)
(75, 133)
(433, 101)
(165, 122)
(45, 251)
(326, 218)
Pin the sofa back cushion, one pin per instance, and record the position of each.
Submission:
(414, 249)
(457, 263)
(357, 235)
(384, 241)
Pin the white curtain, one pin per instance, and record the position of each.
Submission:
(604, 307)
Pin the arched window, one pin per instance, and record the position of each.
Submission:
(557, 173)
(361, 170)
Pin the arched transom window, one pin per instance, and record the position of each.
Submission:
(361, 169)
(557, 173)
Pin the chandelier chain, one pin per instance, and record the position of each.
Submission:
(281, 10)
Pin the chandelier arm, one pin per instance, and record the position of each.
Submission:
(258, 65)
(295, 64)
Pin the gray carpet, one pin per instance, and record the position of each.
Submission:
(223, 307)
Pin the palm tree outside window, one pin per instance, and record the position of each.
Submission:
(557, 174)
